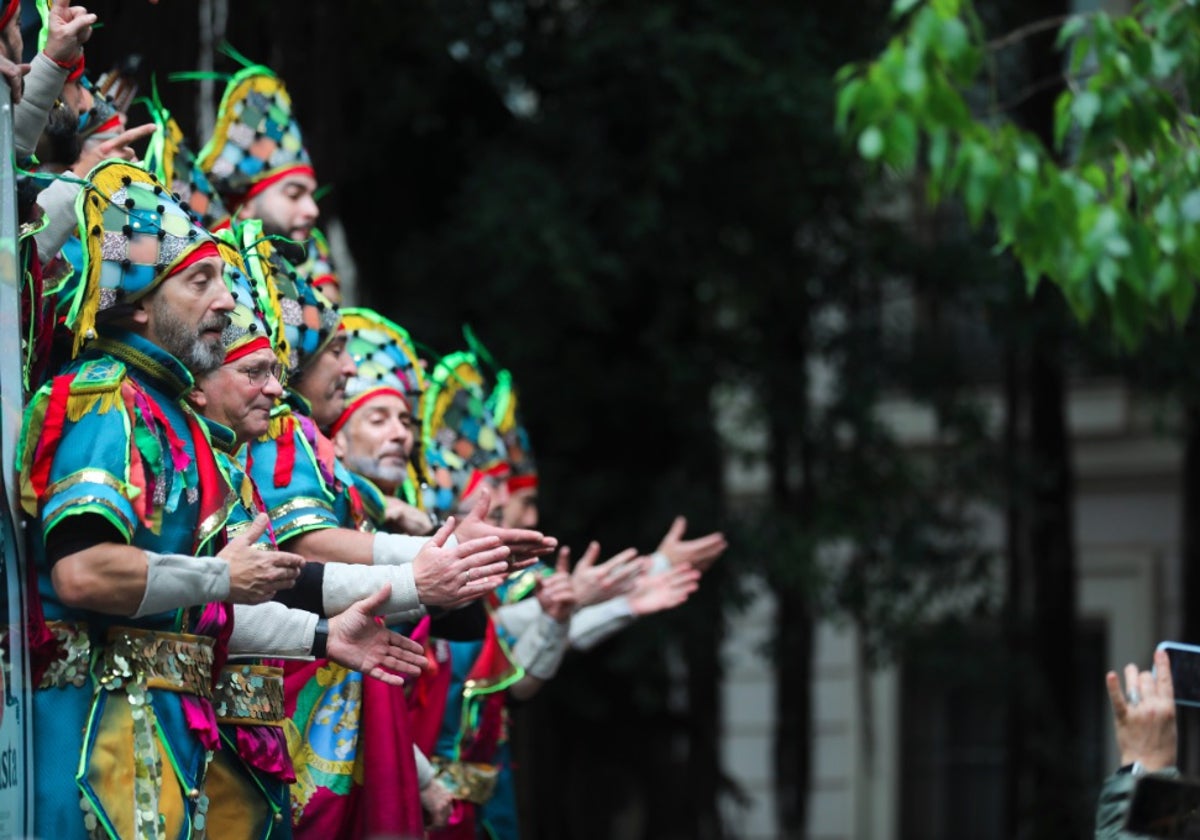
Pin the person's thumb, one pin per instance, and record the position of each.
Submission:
(442, 534)
(254, 530)
(591, 555)
(372, 603)
(675, 532)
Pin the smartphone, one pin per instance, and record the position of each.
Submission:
(1165, 807)
(1185, 671)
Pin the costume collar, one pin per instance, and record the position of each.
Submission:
(154, 365)
(222, 437)
(297, 403)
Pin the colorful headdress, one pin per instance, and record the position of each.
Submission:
(309, 318)
(459, 443)
(502, 403)
(262, 264)
(174, 164)
(319, 263)
(386, 359)
(247, 330)
(134, 235)
(256, 141)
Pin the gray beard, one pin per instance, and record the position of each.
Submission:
(370, 468)
(181, 341)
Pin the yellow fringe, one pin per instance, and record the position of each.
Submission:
(247, 492)
(79, 406)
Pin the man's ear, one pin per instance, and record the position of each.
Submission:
(198, 399)
(139, 314)
(247, 210)
(339, 443)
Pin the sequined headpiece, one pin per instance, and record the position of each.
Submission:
(247, 330)
(309, 318)
(386, 359)
(502, 403)
(174, 164)
(256, 141)
(459, 443)
(134, 235)
(319, 264)
(262, 264)
(502, 406)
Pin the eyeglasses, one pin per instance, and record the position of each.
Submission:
(259, 374)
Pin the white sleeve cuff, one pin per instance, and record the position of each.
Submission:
(592, 625)
(517, 618)
(659, 563)
(395, 549)
(272, 629)
(425, 771)
(178, 580)
(346, 583)
(541, 648)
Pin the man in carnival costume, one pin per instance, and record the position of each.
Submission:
(338, 722)
(248, 780)
(257, 161)
(610, 595)
(459, 708)
(129, 501)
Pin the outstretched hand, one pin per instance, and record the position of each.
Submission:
(359, 642)
(664, 591)
(68, 29)
(120, 146)
(700, 553)
(450, 576)
(436, 802)
(555, 594)
(526, 546)
(615, 576)
(1144, 714)
(256, 575)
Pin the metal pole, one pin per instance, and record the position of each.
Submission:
(16, 753)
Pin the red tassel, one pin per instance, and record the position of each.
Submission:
(285, 454)
(52, 429)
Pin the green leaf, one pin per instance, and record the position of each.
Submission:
(1189, 207)
(1086, 108)
(1069, 30)
(1108, 272)
(846, 99)
(902, 7)
(870, 143)
(901, 141)
(939, 151)
(1183, 293)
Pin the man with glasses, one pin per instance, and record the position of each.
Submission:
(247, 784)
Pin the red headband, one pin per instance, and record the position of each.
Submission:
(358, 402)
(276, 178)
(246, 349)
(497, 471)
(202, 251)
(521, 482)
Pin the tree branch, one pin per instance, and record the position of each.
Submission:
(1022, 32)
(1031, 90)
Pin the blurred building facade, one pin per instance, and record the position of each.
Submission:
(899, 756)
